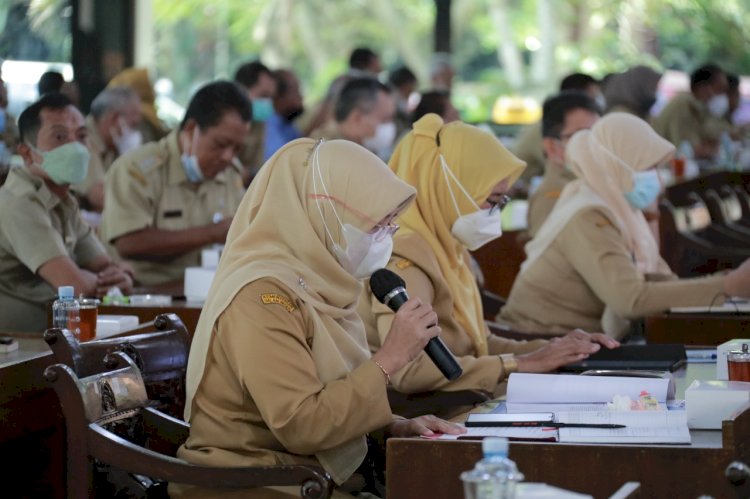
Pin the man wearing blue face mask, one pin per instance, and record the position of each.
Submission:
(167, 200)
(44, 243)
(261, 88)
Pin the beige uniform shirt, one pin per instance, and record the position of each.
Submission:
(251, 154)
(101, 158)
(685, 118)
(528, 147)
(545, 196)
(148, 187)
(587, 268)
(415, 262)
(260, 401)
(35, 227)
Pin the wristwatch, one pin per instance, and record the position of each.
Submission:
(510, 364)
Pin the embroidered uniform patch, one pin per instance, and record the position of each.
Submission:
(273, 298)
(402, 264)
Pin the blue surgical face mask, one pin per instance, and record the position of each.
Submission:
(646, 188)
(262, 109)
(190, 161)
(66, 164)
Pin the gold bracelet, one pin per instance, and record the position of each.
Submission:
(510, 364)
(387, 376)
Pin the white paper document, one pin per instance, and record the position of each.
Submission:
(525, 388)
(532, 433)
(641, 427)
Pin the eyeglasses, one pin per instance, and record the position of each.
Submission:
(497, 206)
(383, 231)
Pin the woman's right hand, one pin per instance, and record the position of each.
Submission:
(737, 282)
(413, 326)
(573, 347)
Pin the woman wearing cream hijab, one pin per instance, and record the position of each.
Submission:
(595, 263)
(279, 370)
(459, 172)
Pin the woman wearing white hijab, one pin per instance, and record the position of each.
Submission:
(594, 263)
(279, 369)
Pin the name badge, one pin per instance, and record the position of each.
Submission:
(172, 214)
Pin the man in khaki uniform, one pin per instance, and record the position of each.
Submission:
(44, 243)
(694, 117)
(528, 145)
(169, 199)
(112, 131)
(363, 107)
(562, 116)
(259, 83)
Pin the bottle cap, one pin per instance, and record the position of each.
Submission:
(495, 446)
(65, 291)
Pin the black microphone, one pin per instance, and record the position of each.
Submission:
(390, 290)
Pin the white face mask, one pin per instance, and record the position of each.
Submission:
(382, 141)
(364, 253)
(190, 161)
(127, 139)
(475, 229)
(718, 105)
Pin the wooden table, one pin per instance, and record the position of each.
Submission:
(428, 468)
(188, 312)
(697, 328)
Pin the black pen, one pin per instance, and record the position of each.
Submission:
(543, 424)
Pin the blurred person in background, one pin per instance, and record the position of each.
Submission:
(113, 130)
(528, 145)
(363, 114)
(633, 91)
(404, 84)
(563, 115)
(258, 81)
(288, 105)
(694, 117)
(437, 102)
(151, 127)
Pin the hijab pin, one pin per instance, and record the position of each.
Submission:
(302, 283)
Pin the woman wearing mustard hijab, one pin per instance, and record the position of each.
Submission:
(594, 262)
(279, 369)
(151, 127)
(460, 173)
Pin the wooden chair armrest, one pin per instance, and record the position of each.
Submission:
(171, 431)
(118, 452)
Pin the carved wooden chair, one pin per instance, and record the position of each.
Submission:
(161, 355)
(92, 404)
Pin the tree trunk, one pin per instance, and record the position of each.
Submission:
(507, 53)
(543, 63)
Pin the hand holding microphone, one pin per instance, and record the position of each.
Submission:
(414, 327)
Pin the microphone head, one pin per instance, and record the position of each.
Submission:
(383, 281)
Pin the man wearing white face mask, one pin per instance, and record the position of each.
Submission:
(44, 243)
(695, 117)
(364, 114)
(169, 199)
(112, 131)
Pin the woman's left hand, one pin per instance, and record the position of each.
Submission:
(423, 426)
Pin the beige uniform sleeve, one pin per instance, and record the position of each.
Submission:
(267, 346)
(421, 375)
(595, 248)
(540, 206)
(131, 204)
(679, 124)
(29, 231)
(529, 148)
(88, 247)
(497, 345)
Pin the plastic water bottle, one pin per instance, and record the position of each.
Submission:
(66, 311)
(495, 476)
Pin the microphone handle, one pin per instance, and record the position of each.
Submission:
(443, 358)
